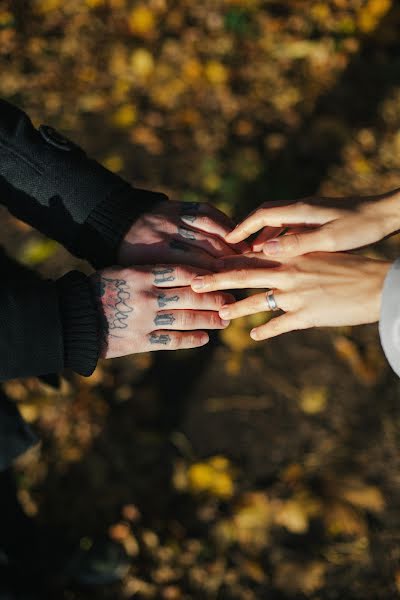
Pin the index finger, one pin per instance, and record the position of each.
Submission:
(239, 279)
(295, 213)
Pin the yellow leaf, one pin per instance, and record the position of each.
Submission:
(141, 20)
(213, 477)
(192, 70)
(94, 3)
(142, 63)
(313, 399)
(211, 182)
(30, 412)
(6, 18)
(368, 497)
(216, 73)
(320, 12)
(372, 13)
(35, 252)
(125, 116)
(293, 516)
(47, 6)
(114, 163)
(342, 519)
(222, 486)
(200, 476)
(298, 577)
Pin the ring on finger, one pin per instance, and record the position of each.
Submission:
(271, 301)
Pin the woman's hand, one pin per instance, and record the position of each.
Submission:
(188, 233)
(316, 290)
(320, 224)
(153, 308)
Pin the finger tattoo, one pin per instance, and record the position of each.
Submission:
(163, 274)
(164, 320)
(163, 300)
(186, 233)
(159, 338)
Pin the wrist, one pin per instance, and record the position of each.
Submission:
(388, 207)
(382, 269)
(97, 287)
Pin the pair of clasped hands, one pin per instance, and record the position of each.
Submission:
(296, 249)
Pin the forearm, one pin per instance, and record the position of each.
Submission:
(50, 183)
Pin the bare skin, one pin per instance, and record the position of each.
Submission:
(153, 308)
(319, 224)
(316, 290)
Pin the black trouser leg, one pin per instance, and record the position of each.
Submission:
(17, 531)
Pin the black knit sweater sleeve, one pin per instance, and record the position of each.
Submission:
(47, 326)
(50, 183)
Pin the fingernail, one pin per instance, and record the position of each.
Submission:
(225, 323)
(271, 247)
(224, 313)
(198, 283)
(253, 334)
(189, 219)
(204, 339)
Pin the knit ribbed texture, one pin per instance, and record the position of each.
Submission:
(81, 323)
(107, 224)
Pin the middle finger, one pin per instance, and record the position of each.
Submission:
(185, 298)
(188, 320)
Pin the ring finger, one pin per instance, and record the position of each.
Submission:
(258, 303)
(186, 298)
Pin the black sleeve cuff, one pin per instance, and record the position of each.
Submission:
(80, 323)
(107, 224)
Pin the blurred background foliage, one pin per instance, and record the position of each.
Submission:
(242, 471)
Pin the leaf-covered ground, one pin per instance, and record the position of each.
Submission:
(241, 471)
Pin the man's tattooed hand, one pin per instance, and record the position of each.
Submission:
(129, 302)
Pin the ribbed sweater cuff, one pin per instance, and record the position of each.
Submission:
(81, 323)
(107, 224)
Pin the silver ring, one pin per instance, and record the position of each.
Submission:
(272, 305)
